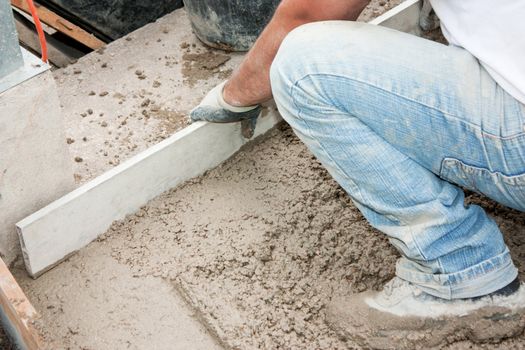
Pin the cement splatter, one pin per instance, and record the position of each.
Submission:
(133, 74)
(261, 244)
(202, 65)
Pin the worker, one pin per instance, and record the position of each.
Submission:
(403, 124)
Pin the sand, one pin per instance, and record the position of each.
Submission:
(257, 247)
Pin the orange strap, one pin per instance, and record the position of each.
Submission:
(40, 31)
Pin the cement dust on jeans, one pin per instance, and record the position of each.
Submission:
(261, 244)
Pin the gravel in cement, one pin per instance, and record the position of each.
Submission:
(5, 342)
(257, 247)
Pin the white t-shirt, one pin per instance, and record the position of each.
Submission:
(494, 32)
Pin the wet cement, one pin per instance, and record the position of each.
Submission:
(5, 342)
(92, 302)
(261, 244)
(257, 247)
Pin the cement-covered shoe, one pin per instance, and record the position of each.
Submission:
(403, 317)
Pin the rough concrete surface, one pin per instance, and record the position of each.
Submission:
(136, 92)
(257, 246)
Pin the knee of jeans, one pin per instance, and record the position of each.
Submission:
(290, 55)
(290, 64)
(304, 50)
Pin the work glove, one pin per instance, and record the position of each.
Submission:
(428, 20)
(214, 109)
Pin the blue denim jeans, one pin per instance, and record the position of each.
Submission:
(400, 122)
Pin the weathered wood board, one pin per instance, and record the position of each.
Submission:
(17, 315)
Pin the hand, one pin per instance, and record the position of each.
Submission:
(214, 109)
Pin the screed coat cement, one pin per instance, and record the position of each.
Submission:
(258, 247)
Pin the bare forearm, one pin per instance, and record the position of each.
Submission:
(250, 83)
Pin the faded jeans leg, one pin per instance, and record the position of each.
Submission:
(398, 121)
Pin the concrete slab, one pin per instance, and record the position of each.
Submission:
(34, 162)
(112, 113)
(17, 315)
(136, 92)
(94, 302)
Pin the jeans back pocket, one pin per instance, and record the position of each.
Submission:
(505, 189)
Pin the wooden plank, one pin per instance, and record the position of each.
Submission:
(17, 313)
(62, 25)
(70, 223)
(29, 38)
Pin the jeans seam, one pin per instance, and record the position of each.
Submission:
(446, 114)
(416, 245)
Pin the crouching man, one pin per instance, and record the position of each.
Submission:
(401, 123)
